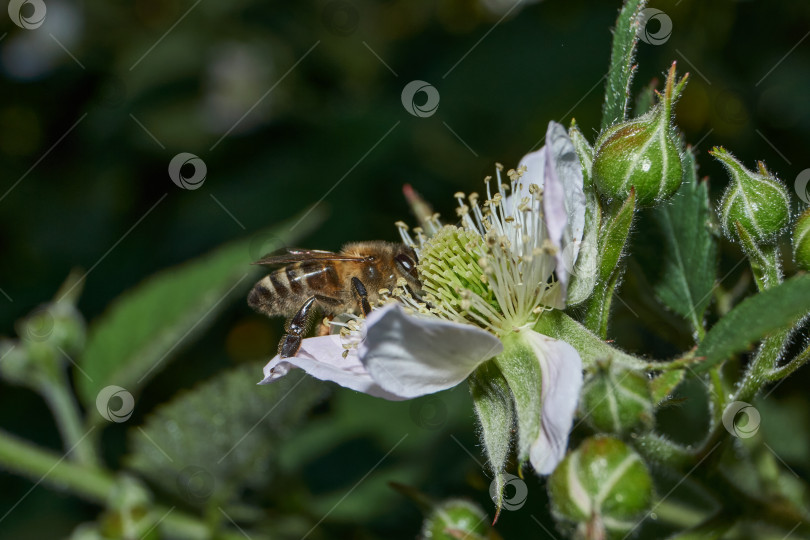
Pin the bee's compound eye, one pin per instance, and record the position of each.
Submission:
(405, 262)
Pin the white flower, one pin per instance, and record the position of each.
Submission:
(485, 283)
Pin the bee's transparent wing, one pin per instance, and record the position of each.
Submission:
(294, 255)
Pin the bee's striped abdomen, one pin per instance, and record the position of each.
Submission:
(284, 290)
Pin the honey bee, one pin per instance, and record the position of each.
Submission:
(346, 282)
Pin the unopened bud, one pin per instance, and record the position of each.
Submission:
(457, 518)
(602, 485)
(617, 400)
(643, 153)
(758, 201)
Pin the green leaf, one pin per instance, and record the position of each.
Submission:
(622, 63)
(138, 335)
(224, 435)
(755, 318)
(690, 250)
(495, 411)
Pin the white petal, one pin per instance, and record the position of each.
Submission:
(322, 357)
(561, 367)
(556, 168)
(412, 356)
(563, 198)
(535, 164)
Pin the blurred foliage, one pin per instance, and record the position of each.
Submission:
(86, 138)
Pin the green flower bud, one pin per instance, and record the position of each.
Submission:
(801, 241)
(46, 336)
(758, 201)
(617, 400)
(601, 486)
(457, 518)
(644, 153)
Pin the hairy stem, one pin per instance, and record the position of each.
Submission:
(782, 372)
(89, 482)
(65, 410)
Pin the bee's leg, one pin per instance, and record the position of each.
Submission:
(361, 295)
(295, 328)
(297, 325)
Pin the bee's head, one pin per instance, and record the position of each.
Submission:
(405, 260)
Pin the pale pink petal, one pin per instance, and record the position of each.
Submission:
(561, 367)
(563, 198)
(411, 356)
(322, 357)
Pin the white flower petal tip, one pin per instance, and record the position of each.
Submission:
(411, 355)
(322, 357)
(561, 367)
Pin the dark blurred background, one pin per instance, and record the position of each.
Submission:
(291, 103)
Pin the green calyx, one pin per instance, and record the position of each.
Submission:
(757, 201)
(644, 153)
(601, 486)
(457, 518)
(801, 241)
(617, 400)
(584, 153)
